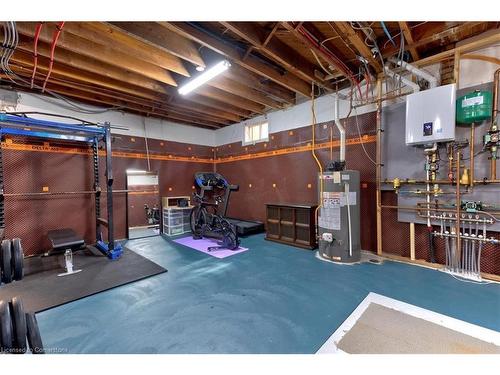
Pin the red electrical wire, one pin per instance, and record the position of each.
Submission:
(57, 33)
(344, 68)
(38, 30)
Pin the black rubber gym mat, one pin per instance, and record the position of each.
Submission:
(42, 289)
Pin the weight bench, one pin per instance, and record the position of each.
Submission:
(65, 240)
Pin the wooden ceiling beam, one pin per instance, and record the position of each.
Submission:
(99, 52)
(190, 113)
(157, 105)
(205, 109)
(485, 39)
(278, 51)
(432, 35)
(251, 63)
(82, 77)
(236, 88)
(217, 94)
(359, 44)
(294, 30)
(97, 99)
(221, 105)
(84, 64)
(239, 74)
(409, 38)
(158, 36)
(61, 70)
(113, 37)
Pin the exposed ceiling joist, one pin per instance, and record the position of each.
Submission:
(217, 94)
(157, 36)
(99, 52)
(68, 72)
(222, 114)
(101, 99)
(277, 50)
(239, 74)
(157, 106)
(198, 99)
(432, 35)
(409, 38)
(84, 64)
(483, 40)
(359, 44)
(108, 35)
(244, 91)
(251, 63)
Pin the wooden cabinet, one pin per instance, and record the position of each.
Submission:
(293, 224)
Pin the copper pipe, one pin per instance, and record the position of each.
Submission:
(378, 162)
(487, 181)
(409, 208)
(423, 182)
(424, 192)
(440, 182)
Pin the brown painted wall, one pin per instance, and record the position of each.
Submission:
(295, 174)
(31, 218)
(28, 171)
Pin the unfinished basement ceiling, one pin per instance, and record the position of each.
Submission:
(137, 66)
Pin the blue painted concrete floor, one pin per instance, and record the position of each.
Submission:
(271, 299)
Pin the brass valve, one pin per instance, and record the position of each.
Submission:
(465, 179)
(396, 183)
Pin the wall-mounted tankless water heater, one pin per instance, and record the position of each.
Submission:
(430, 115)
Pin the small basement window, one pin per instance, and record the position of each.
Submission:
(256, 133)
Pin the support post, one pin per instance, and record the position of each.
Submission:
(109, 185)
(97, 188)
(378, 167)
(456, 67)
(412, 241)
(2, 202)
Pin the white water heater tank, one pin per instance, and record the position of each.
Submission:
(430, 115)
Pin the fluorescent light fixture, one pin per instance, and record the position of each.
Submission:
(203, 78)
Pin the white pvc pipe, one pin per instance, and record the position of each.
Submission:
(433, 81)
(340, 128)
(415, 87)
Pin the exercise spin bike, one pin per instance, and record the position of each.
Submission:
(207, 217)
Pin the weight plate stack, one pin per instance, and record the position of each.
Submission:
(17, 265)
(5, 328)
(6, 257)
(34, 338)
(18, 317)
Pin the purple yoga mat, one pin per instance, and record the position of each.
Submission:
(203, 245)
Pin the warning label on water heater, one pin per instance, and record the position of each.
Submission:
(341, 198)
(329, 218)
(330, 213)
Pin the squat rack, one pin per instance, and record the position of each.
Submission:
(91, 135)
